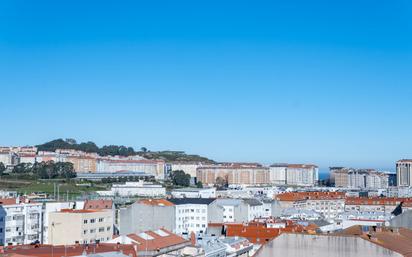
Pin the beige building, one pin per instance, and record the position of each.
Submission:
(69, 226)
(234, 174)
(188, 168)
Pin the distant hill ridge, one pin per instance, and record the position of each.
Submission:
(91, 147)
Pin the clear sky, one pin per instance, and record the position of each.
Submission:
(325, 82)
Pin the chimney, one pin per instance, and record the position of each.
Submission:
(193, 238)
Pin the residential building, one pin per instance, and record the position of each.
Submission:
(191, 214)
(361, 178)
(20, 221)
(83, 163)
(139, 188)
(341, 177)
(9, 159)
(329, 204)
(302, 175)
(404, 172)
(376, 204)
(147, 214)
(226, 210)
(27, 158)
(234, 174)
(277, 174)
(190, 192)
(48, 208)
(69, 226)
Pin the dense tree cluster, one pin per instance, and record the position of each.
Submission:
(222, 183)
(180, 178)
(88, 147)
(46, 170)
(2, 168)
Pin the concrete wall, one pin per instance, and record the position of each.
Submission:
(298, 245)
(141, 217)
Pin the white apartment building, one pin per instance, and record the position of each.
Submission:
(377, 180)
(404, 172)
(8, 158)
(139, 188)
(277, 174)
(20, 221)
(191, 214)
(68, 226)
(302, 175)
(207, 192)
(329, 208)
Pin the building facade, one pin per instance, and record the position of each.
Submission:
(69, 226)
(20, 221)
(234, 174)
(404, 172)
(191, 214)
(147, 214)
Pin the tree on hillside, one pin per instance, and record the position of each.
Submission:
(180, 178)
(22, 168)
(221, 183)
(199, 184)
(143, 149)
(65, 170)
(2, 168)
(71, 141)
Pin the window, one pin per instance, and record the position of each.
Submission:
(92, 220)
(92, 231)
(101, 229)
(84, 232)
(101, 219)
(108, 229)
(84, 221)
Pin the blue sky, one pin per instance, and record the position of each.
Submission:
(268, 81)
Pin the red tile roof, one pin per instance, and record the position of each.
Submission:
(298, 196)
(80, 211)
(158, 242)
(73, 250)
(13, 201)
(158, 202)
(98, 204)
(378, 201)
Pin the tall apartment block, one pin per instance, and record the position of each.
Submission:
(404, 172)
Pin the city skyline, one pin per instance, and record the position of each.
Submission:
(300, 82)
